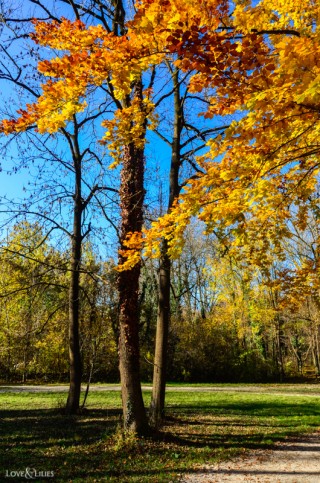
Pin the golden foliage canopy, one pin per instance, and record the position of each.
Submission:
(259, 63)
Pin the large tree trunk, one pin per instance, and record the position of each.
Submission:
(131, 204)
(73, 400)
(163, 316)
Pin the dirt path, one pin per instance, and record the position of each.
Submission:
(294, 461)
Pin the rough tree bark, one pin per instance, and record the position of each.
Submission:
(131, 205)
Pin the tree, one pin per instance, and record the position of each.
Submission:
(187, 138)
(95, 55)
(71, 155)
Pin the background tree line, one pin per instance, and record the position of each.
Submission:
(230, 322)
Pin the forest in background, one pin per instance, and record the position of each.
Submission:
(230, 322)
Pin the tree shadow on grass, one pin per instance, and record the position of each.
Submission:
(50, 441)
(79, 449)
(240, 425)
(257, 408)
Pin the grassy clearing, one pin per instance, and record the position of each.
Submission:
(201, 428)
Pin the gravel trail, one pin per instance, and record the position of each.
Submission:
(297, 460)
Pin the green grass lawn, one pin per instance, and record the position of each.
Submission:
(201, 428)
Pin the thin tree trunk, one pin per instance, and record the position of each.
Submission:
(161, 346)
(94, 345)
(163, 316)
(131, 205)
(280, 346)
(88, 385)
(73, 400)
